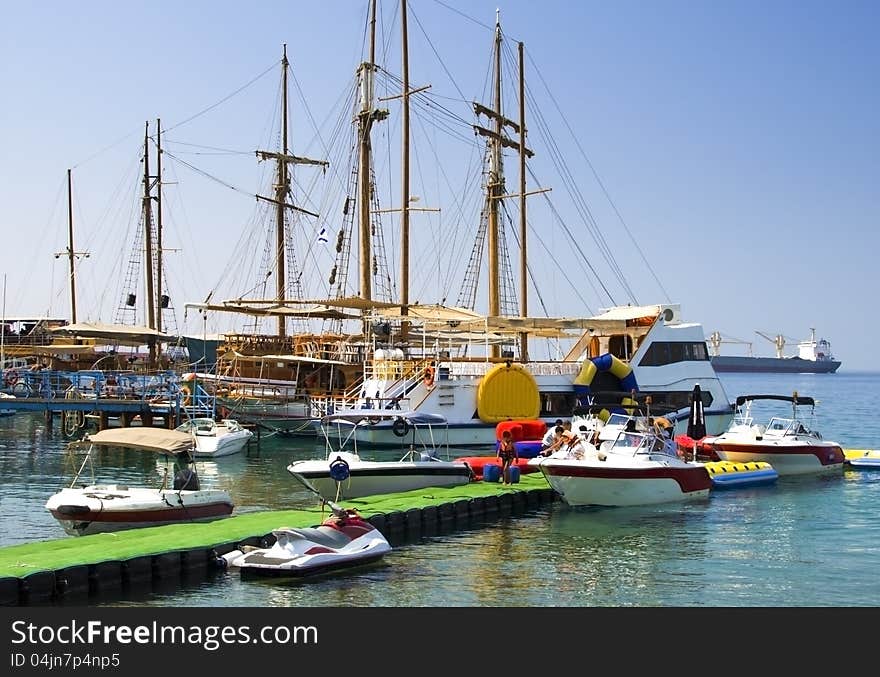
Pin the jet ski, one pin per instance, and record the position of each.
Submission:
(343, 540)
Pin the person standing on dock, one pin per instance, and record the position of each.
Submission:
(507, 454)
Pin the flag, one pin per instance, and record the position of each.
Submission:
(322, 236)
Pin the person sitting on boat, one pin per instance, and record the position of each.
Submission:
(551, 437)
(186, 478)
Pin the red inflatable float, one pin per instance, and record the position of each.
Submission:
(477, 463)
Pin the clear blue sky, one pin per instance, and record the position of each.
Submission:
(739, 142)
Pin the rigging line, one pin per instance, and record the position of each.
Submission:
(584, 209)
(586, 215)
(601, 184)
(553, 257)
(439, 59)
(221, 101)
(219, 150)
(106, 148)
(465, 16)
(576, 195)
(580, 203)
(578, 247)
(206, 174)
(427, 100)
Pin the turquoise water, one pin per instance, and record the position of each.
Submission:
(807, 541)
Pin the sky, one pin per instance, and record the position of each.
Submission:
(727, 152)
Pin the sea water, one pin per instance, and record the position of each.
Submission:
(805, 541)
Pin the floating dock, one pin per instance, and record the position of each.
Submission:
(109, 565)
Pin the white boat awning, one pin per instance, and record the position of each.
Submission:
(155, 440)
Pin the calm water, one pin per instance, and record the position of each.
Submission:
(808, 541)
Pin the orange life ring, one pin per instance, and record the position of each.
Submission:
(429, 376)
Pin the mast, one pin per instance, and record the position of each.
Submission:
(495, 191)
(523, 258)
(70, 253)
(365, 124)
(159, 304)
(495, 187)
(148, 246)
(281, 190)
(404, 168)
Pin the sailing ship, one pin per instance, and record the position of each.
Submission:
(386, 350)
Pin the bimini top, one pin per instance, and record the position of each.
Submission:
(156, 440)
(355, 416)
(794, 399)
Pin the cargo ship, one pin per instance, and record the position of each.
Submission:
(813, 357)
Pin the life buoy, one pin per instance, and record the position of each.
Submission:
(339, 469)
(400, 427)
(429, 376)
(373, 420)
(186, 393)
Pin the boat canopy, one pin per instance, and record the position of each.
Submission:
(231, 355)
(355, 416)
(156, 440)
(122, 333)
(794, 399)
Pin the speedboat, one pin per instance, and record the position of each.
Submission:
(785, 442)
(97, 507)
(639, 465)
(213, 439)
(343, 540)
(344, 474)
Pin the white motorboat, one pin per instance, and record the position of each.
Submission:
(344, 474)
(213, 439)
(6, 411)
(342, 541)
(97, 507)
(635, 463)
(785, 442)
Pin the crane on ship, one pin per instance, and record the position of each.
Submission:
(779, 341)
(716, 338)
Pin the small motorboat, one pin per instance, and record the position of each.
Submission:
(639, 465)
(786, 442)
(98, 507)
(213, 440)
(342, 541)
(345, 474)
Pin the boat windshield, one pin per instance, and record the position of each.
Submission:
(780, 426)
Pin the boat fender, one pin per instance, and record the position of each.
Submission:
(227, 560)
(400, 427)
(339, 469)
(429, 376)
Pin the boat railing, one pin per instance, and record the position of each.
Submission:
(91, 384)
(453, 369)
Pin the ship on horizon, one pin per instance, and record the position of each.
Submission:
(813, 357)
